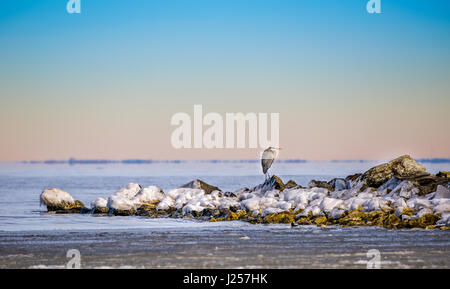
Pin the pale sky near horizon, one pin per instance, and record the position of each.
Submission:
(104, 84)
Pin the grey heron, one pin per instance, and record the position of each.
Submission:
(268, 156)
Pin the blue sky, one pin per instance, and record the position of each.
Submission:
(120, 67)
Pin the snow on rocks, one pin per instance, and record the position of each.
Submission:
(149, 195)
(100, 205)
(441, 193)
(329, 204)
(398, 202)
(60, 201)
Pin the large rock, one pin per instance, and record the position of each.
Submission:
(60, 201)
(198, 184)
(427, 183)
(273, 183)
(402, 167)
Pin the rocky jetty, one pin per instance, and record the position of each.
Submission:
(397, 194)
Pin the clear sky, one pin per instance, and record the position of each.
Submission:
(105, 83)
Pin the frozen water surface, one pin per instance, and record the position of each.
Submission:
(32, 238)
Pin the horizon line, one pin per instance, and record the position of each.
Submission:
(74, 161)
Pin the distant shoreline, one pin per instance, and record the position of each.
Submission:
(74, 161)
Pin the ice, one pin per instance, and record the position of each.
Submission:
(444, 220)
(405, 190)
(354, 203)
(390, 185)
(190, 208)
(423, 212)
(149, 195)
(442, 207)
(118, 202)
(340, 184)
(336, 214)
(99, 203)
(329, 204)
(251, 204)
(376, 204)
(129, 191)
(441, 193)
(54, 197)
(419, 203)
(166, 203)
(271, 210)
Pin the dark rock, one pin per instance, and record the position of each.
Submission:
(427, 183)
(443, 174)
(61, 202)
(68, 208)
(291, 184)
(401, 167)
(117, 212)
(353, 177)
(229, 194)
(99, 210)
(241, 191)
(273, 183)
(441, 193)
(341, 184)
(198, 184)
(320, 184)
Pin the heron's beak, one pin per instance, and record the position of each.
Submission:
(279, 149)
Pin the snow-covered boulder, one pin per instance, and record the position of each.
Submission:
(59, 200)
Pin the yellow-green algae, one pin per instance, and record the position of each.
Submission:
(67, 207)
(349, 218)
(284, 217)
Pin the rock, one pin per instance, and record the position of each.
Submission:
(283, 217)
(424, 221)
(401, 167)
(320, 184)
(129, 191)
(353, 177)
(336, 214)
(329, 204)
(405, 190)
(443, 174)
(149, 195)
(60, 201)
(120, 206)
(100, 206)
(423, 212)
(241, 191)
(441, 193)
(427, 183)
(338, 184)
(198, 184)
(292, 184)
(122, 202)
(274, 183)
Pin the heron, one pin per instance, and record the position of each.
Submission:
(268, 156)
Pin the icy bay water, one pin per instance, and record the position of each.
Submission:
(30, 237)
